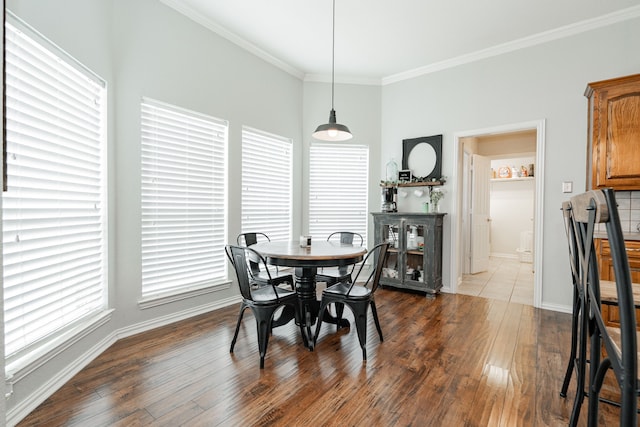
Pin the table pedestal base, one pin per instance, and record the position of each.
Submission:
(309, 305)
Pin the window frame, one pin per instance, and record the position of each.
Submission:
(18, 363)
(261, 199)
(193, 182)
(340, 173)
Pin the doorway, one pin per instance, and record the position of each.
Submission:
(463, 246)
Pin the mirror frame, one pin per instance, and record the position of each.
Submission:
(435, 141)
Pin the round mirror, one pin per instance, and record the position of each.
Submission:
(422, 160)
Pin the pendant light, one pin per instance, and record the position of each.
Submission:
(333, 131)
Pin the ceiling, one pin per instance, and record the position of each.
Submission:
(383, 40)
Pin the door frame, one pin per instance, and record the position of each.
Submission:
(457, 185)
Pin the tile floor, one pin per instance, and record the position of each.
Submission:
(507, 280)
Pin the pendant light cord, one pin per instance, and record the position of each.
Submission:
(333, 52)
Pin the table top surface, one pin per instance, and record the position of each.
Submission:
(321, 253)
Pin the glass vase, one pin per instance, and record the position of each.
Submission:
(392, 171)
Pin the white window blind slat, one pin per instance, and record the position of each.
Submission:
(267, 162)
(54, 212)
(183, 198)
(338, 189)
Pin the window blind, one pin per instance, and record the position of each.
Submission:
(266, 184)
(54, 212)
(338, 189)
(183, 199)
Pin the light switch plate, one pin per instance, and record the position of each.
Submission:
(567, 187)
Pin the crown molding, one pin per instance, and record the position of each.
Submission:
(324, 78)
(536, 39)
(522, 43)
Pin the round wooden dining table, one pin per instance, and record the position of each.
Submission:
(305, 262)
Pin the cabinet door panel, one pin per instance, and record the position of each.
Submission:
(611, 316)
(622, 136)
(389, 232)
(614, 132)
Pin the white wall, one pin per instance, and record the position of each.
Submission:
(512, 212)
(161, 54)
(144, 48)
(541, 82)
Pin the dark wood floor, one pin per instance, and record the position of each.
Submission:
(453, 361)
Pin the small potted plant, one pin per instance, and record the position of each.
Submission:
(435, 196)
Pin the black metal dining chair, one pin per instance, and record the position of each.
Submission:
(343, 273)
(263, 301)
(259, 274)
(579, 322)
(357, 296)
(611, 349)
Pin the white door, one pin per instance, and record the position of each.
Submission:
(480, 221)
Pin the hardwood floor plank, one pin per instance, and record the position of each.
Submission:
(520, 391)
(456, 360)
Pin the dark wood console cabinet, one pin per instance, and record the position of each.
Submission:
(415, 254)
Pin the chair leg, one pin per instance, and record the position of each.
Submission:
(374, 312)
(595, 344)
(581, 362)
(264, 326)
(235, 335)
(339, 312)
(574, 338)
(323, 307)
(360, 314)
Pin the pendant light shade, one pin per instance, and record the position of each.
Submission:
(333, 131)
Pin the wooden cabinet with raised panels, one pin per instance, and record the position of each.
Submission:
(610, 313)
(614, 132)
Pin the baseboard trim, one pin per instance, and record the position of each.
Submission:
(24, 408)
(557, 307)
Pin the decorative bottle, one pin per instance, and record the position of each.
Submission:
(392, 171)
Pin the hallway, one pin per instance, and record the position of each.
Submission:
(506, 280)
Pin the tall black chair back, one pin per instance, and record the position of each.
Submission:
(358, 296)
(343, 273)
(579, 322)
(248, 239)
(263, 301)
(259, 274)
(347, 237)
(620, 345)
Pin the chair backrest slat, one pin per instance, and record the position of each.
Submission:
(240, 259)
(347, 237)
(248, 239)
(570, 231)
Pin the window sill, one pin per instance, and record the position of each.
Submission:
(182, 294)
(19, 368)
